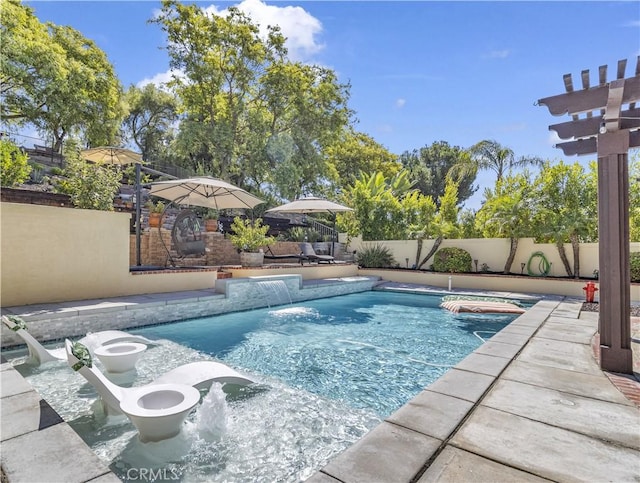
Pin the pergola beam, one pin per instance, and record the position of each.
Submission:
(578, 102)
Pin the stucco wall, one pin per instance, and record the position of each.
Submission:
(51, 254)
(494, 252)
(530, 285)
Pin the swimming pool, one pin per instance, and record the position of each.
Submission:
(328, 371)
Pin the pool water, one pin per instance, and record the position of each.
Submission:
(328, 371)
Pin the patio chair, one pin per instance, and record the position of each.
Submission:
(157, 409)
(39, 354)
(186, 237)
(269, 255)
(310, 253)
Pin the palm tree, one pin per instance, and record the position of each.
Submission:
(491, 155)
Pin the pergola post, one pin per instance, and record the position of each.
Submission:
(609, 131)
(613, 232)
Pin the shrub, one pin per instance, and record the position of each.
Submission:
(90, 186)
(634, 259)
(452, 259)
(296, 234)
(375, 256)
(248, 236)
(14, 169)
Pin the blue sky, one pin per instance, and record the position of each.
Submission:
(420, 72)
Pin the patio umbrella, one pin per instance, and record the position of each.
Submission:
(111, 155)
(204, 191)
(312, 204)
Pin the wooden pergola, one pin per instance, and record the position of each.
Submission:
(608, 130)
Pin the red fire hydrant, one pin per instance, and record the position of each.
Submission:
(590, 289)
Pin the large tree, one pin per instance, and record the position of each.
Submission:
(57, 80)
(241, 98)
(355, 152)
(430, 165)
(149, 124)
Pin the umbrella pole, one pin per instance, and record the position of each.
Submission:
(333, 237)
(138, 213)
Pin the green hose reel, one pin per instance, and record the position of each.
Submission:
(544, 267)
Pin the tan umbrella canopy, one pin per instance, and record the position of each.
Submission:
(310, 205)
(204, 191)
(111, 155)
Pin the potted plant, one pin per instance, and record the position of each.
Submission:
(155, 213)
(248, 238)
(211, 220)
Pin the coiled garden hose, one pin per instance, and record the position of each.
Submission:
(544, 266)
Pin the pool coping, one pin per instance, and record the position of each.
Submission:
(422, 441)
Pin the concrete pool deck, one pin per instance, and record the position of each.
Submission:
(531, 404)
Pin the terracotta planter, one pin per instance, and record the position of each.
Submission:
(154, 219)
(211, 225)
(248, 259)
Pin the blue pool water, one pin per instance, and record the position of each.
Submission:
(327, 372)
(371, 350)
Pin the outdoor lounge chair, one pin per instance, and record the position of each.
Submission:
(157, 409)
(312, 256)
(38, 354)
(269, 255)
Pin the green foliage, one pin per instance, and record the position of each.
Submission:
(634, 259)
(211, 214)
(14, 168)
(354, 153)
(467, 223)
(566, 209)
(155, 207)
(452, 259)
(56, 79)
(251, 116)
(90, 186)
(38, 173)
(383, 207)
(375, 256)
(429, 166)
(492, 156)
(248, 236)
(297, 234)
(634, 197)
(152, 113)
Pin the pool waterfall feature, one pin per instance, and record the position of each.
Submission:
(229, 295)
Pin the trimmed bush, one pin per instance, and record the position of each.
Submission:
(376, 256)
(634, 259)
(14, 168)
(452, 259)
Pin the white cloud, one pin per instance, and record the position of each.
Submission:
(159, 79)
(632, 23)
(296, 24)
(498, 54)
(400, 103)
